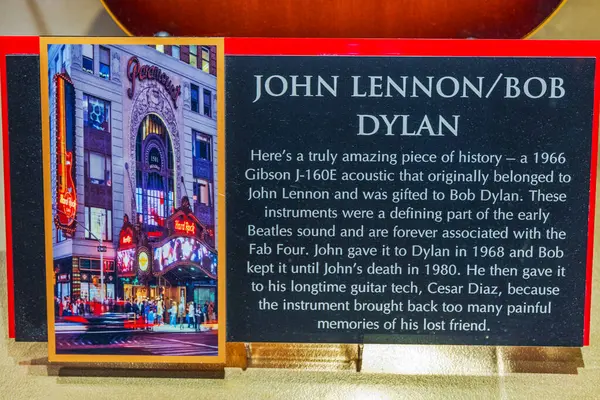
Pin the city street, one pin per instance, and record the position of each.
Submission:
(137, 342)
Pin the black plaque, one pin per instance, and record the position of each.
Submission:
(449, 195)
(26, 197)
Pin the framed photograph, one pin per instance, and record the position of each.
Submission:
(134, 218)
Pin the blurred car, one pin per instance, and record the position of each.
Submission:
(106, 322)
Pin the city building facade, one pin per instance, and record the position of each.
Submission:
(133, 142)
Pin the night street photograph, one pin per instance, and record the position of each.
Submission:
(132, 132)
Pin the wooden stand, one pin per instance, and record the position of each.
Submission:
(128, 370)
(406, 359)
(387, 359)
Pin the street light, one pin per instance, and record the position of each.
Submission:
(101, 249)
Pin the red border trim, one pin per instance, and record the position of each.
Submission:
(414, 47)
(451, 48)
(359, 47)
(592, 211)
(9, 46)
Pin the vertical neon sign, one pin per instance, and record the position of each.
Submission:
(66, 196)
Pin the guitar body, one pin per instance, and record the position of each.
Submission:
(489, 19)
(66, 201)
(71, 210)
(67, 197)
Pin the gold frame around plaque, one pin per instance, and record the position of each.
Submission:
(221, 287)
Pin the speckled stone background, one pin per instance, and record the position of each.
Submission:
(399, 372)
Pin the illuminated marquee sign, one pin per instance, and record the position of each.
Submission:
(185, 251)
(150, 72)
(66, 195)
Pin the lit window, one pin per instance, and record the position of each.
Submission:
(96, 113)
(206, 59)
(154, 191)
(99, 168)
(104, 62)
(207, 100)
(175, 52)
(160, 47)
(98, 222)
(88, 58)
(194, 55)
(202, 146)
(158, 200)
(202, 192)
(195, 98)
(60, 236)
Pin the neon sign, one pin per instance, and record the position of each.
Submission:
(126, 237)
(66, 197)
(154, 73)
(69, 204)
(185, 226)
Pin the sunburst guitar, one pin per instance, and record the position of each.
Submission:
(484, 19)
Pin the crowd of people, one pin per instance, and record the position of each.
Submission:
(157, 312)
(68, 306)
(148, 312)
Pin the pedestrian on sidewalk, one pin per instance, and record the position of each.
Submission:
(211, 312)
(146, 311)
(173, 315)
(181, 314)
(198, 317)
(159, 312)
(195, 307)
(190, 315)
(65, 306)
(127, 306)
(150, 325)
